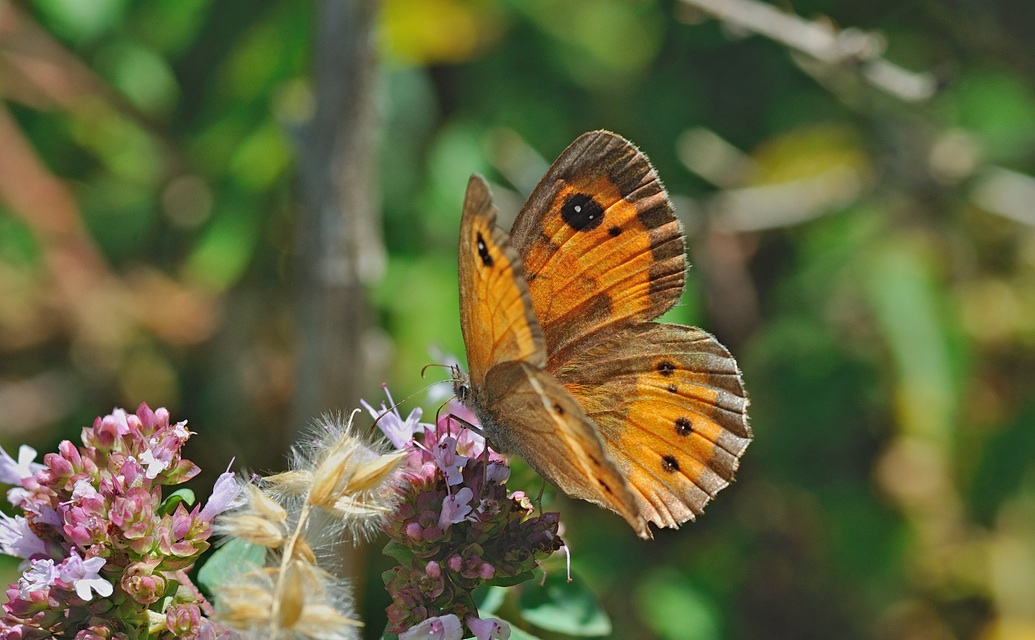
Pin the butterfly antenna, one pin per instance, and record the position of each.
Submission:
(433, 364)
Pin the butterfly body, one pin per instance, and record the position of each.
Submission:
(566, 367)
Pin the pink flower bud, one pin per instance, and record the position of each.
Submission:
(146, 416)
(144, 589)
(133, 513)
(60, 467)
(455, 562)
(70, 453)
(433, 570)
(414, 531)
(181, 522)
(96, 632)
(183, 620)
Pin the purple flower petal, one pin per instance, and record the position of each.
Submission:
(17, 539)
(445, 627)
(449, 461)
(40, 575)
(83, 577)
(12, 472)
(489, 628)
(497, 472)
(398, 431)
(225, 496)
(455, 507)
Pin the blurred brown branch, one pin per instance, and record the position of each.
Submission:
(340, 248)
(824, 44)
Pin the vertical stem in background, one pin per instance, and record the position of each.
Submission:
(339, 239)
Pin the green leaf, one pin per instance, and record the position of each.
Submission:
(185, 496)
(82, 21)
(510, 581)
(399, 551)
(674, 609)
(566, 607)
(519, 634)
(232, 559)
(225, 247)
(490, 599)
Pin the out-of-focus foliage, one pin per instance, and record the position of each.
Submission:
(870, 260)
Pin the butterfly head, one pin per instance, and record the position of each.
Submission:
(461, 384)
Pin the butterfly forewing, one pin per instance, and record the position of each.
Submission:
(523, 409)
(496, 315)
(672, 410)
(601, 246)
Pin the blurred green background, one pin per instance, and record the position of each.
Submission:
(855, 183)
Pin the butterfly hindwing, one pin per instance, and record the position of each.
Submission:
(496, 316)
(539, 420)
(671, 407)
(600, 244)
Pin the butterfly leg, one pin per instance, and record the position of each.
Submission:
(473, 427)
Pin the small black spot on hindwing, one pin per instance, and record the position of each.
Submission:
(672, 388)
(669, 464)
(581, 212)
(615, 231)
(684, 427)
(604, 485)
(483, 252)
(666, 367)
(558, 408)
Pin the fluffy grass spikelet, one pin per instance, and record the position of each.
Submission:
(340, 488)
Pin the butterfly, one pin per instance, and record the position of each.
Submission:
(566, 367)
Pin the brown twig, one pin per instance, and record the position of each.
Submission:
(824, 44)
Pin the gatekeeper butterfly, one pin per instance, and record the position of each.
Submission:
(567, 368)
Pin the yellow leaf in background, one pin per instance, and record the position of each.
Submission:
(438, 31)
(1010, 630)
(808, 151)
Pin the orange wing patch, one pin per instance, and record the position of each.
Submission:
(671, 407)
(601, 245)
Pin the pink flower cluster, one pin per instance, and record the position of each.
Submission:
(104, 555)
(457, 528)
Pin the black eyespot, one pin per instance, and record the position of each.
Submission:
(558, 408)
(669, 464)
(666, 367)
(483, 252)
(672, 388)
(581, 212)
(604, 485)
(684, 427)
